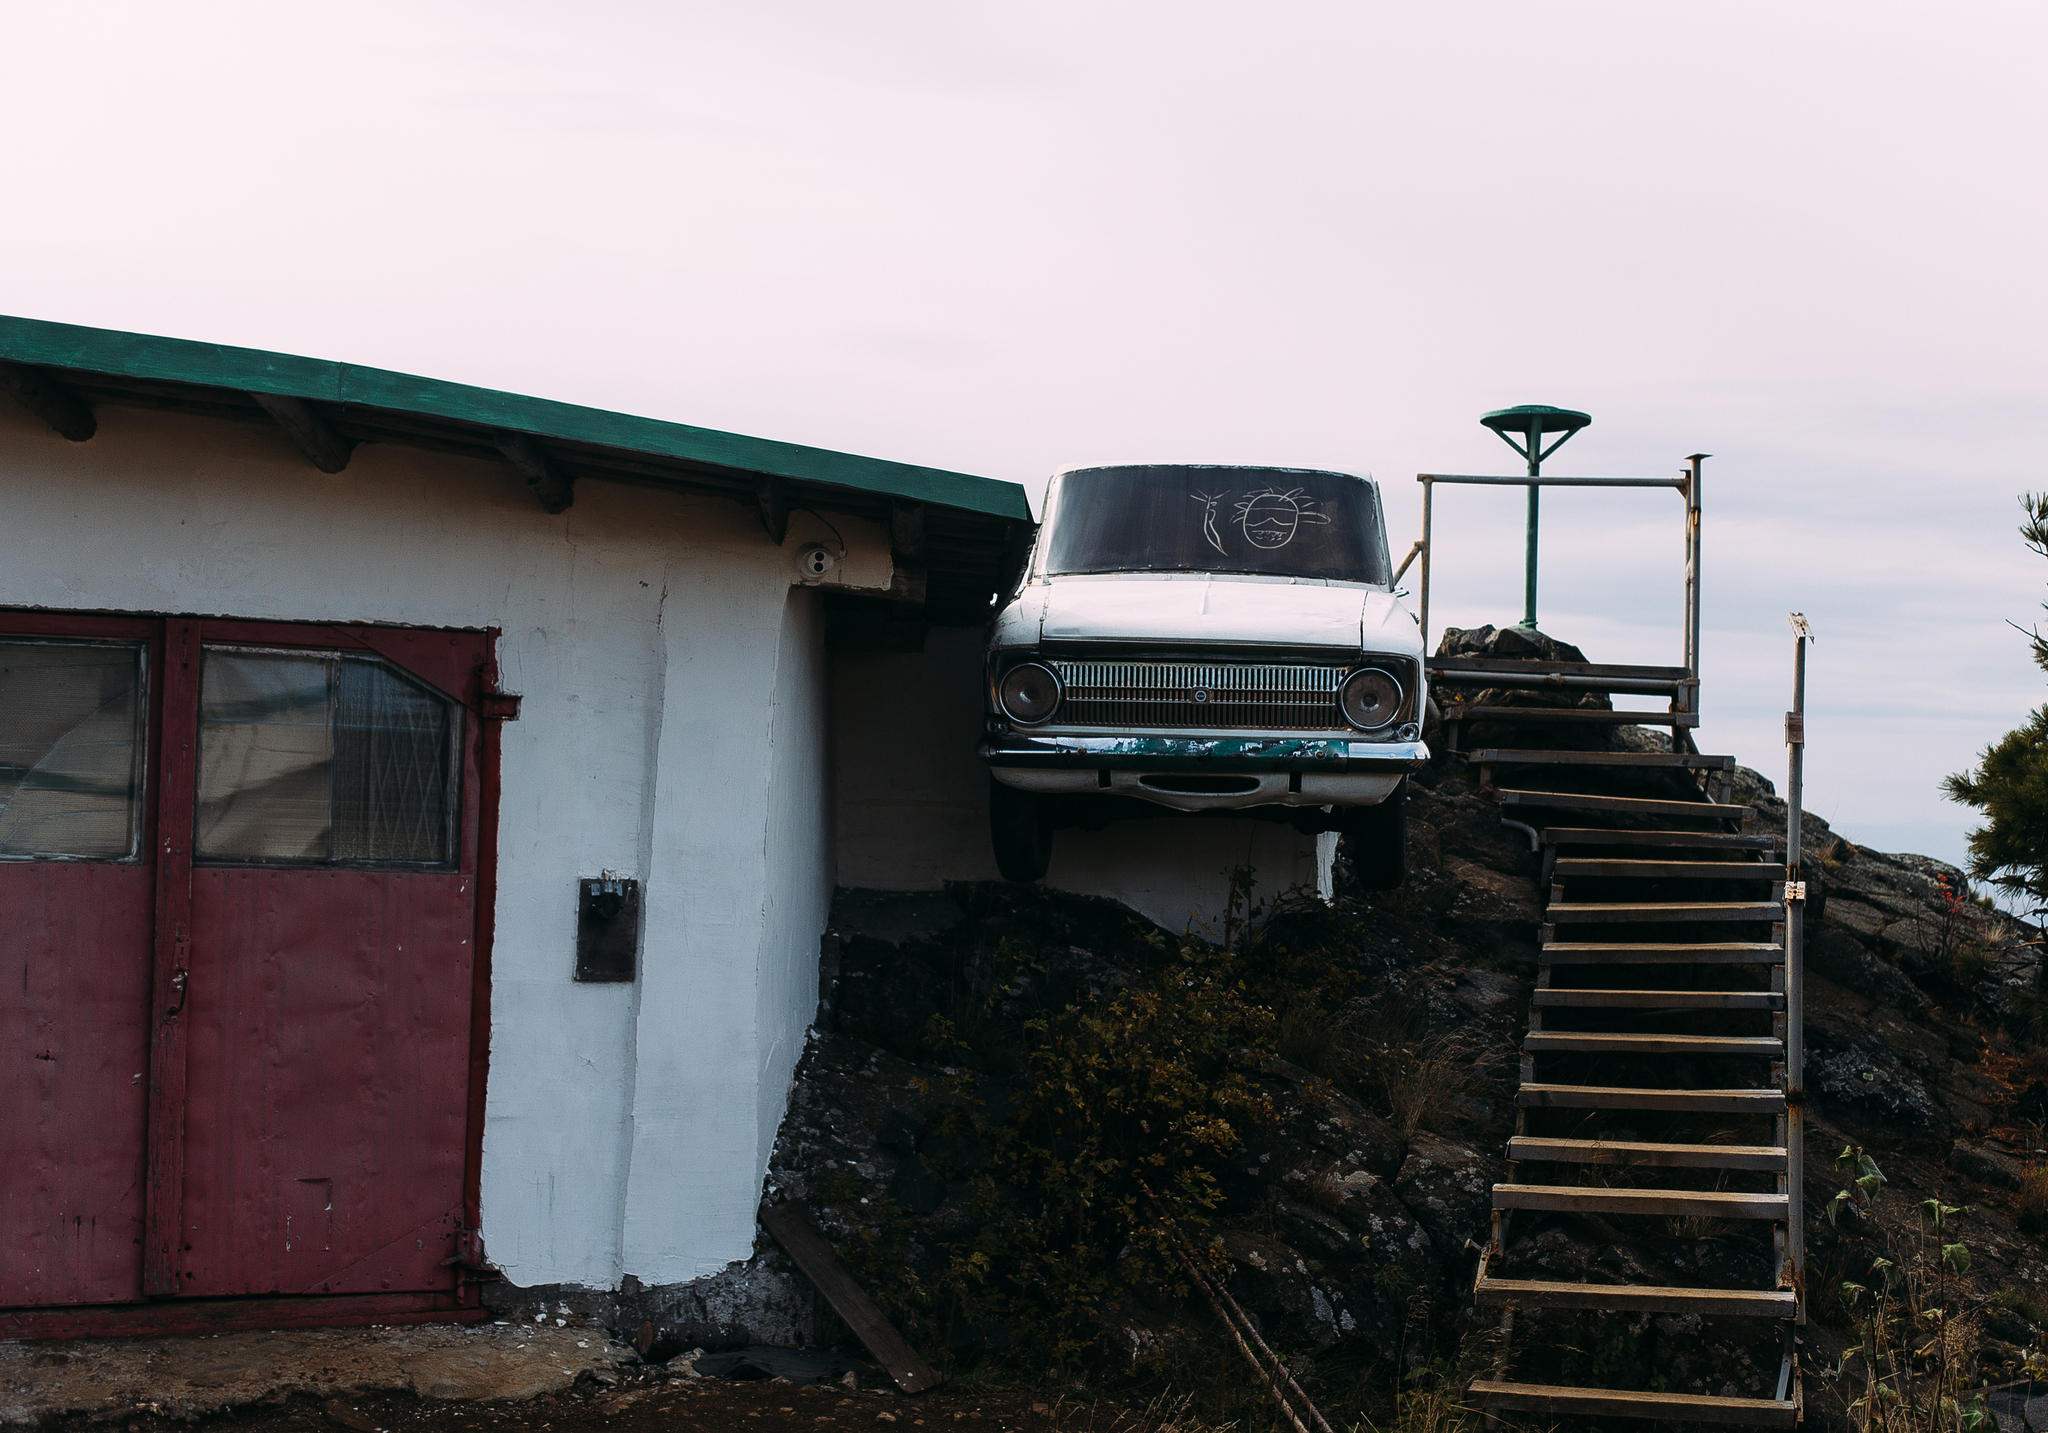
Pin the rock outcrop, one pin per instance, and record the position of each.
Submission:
(1349, 1213)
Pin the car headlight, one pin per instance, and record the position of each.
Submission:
(1029, 693)
(1369, 699)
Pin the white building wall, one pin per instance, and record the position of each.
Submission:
(666, 671)
(799, 860)
(913, 802)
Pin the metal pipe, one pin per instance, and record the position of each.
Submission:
(1428, 490)
(1535, 500)
(1482, 480)
(1693, 480)
(1685, 616)
(1795, 938)
(1401, 571)
(1627, 686)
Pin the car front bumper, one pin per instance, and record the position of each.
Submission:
(1252, 771)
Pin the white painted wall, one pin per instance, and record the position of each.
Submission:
(913, 802)
(672, 730)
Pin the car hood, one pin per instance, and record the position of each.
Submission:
(1226, 612)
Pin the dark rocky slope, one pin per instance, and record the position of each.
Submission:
(1367, 1075)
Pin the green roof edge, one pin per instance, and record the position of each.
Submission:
(252, 370)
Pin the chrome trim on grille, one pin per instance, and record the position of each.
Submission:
(1209, 696)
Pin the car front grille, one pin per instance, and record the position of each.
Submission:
(1199, 696)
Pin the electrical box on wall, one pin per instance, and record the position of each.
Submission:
(607, 929)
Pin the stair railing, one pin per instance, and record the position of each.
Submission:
(1687, 484)
(1795, 934)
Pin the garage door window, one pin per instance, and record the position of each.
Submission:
(324, 757)
(71, 749)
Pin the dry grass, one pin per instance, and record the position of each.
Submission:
(1419, 1074)
(1166, 1413)
(1386, 1055)
(1315, 1041)
(2030, 1204)
(1419, 1078)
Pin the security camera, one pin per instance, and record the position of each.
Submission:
(815, 561)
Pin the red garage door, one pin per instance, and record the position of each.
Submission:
(238, 960)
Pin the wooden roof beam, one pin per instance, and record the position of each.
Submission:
(554, 488)
(907, 578)
(771, 498)
(70, 415)
(324, 448)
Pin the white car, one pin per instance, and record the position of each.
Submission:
(1208, 640)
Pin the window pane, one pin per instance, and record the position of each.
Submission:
(265, 753)
(321, 756)
(1282, 521)
(70, 749)
(393, 759)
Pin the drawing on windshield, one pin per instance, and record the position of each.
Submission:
(1208, 502)
(1269, 518)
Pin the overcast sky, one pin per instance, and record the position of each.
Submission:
(1003, 238)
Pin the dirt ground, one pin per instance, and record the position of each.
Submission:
(641, 1401)
(197, 1375)
(673, 1406)
(490, 1378)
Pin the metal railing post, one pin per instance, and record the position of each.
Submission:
(1795, 934)
(1693, 475)
(1428, 488)
(1535, 499)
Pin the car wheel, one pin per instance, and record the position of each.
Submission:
(1376, 841)
(1020, 829)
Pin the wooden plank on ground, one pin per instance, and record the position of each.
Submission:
(1688, 1407)
(808, 1249)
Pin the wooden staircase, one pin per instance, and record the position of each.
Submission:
(1651, 966)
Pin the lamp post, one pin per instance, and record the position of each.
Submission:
(1532, 421)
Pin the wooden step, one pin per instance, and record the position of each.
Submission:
(1628, 1097)
(1682, 760)
(1659, 999)
(1579, 1199)
(1669, 1156)
(1631, 805)
(1640, 1298)
(1635, 952)
(1600, 836)
(1565, 866)
(1458, 711)
(1632, 912)
(1536, 667)
(1559, 684)
(1680, 1407)
(1551, 1042)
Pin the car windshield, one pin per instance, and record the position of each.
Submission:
(1279, 521)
